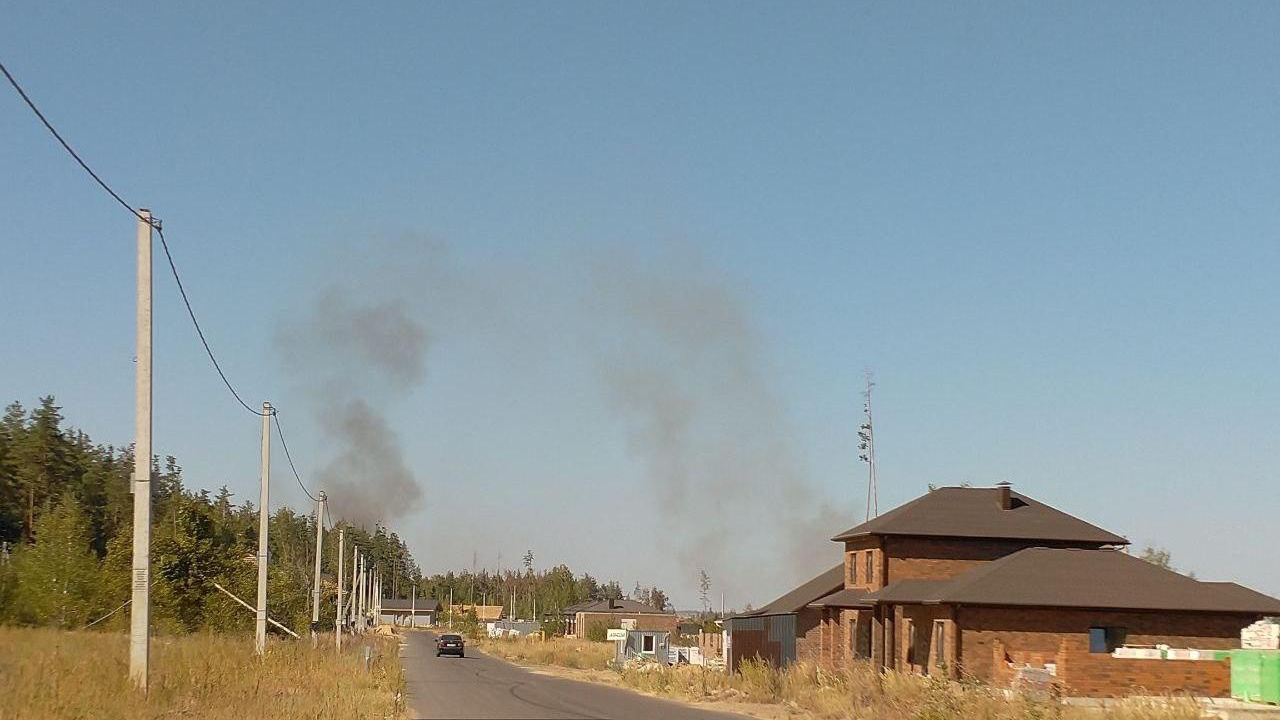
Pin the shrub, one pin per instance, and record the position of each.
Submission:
(597, 631)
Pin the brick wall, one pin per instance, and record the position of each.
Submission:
(1082, 673)
(914, 650)
(809, 630)
(940, 558)
(1043, 635)
(855, 565)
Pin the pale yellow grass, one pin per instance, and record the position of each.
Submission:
(806, 692)
(46, 674)
(560, 652)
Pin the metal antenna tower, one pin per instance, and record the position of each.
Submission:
(867, 449)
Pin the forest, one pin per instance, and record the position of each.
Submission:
(66, 540)
(66, 517)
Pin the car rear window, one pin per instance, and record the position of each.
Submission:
(451, 638)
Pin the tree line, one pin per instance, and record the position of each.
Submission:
(66, 540)
(532, 593)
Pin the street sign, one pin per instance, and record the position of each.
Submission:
(615, 634)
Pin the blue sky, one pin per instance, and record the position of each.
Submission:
(1050, 230)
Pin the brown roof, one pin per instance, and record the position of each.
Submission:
(976, 513)
(1054, 577)
(422, 604)
(614, 606)
(844, 598)
(821, 586)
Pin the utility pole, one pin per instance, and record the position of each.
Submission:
(355, 574)
(450, 607)
(260, 627)
(337, 617)
(315, 585)
(140, 614)
(413, 607)
(358, 598)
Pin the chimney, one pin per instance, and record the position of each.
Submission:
(612, 605)
(1004, 491)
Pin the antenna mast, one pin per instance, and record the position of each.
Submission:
(867, 446)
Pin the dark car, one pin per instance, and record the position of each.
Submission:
(450, 645)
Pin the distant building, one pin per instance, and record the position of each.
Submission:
(483, 613)
(989, 584)
(628, 614)
(409, 613)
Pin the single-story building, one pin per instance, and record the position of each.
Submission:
(410, 613)
(629, 614)
(483, 613)
(988, 584)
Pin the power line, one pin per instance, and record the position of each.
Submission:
(280, 431)
(104, 617)
(14, 82)
(153, 222)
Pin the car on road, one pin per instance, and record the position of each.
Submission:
(450, 645)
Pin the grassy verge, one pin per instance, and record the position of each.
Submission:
(46, 674)
(805, 692)
(558, 652)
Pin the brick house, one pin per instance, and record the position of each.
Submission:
(990, 584)
(616, 614)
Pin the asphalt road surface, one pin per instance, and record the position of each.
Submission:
(480, 686)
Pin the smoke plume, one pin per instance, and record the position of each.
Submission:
(355, 356)
(688, 373)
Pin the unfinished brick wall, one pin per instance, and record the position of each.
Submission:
(1086, 674)
(1042, 635)
(914, 650)
(928, 558)
(809, 630)
(855, 565)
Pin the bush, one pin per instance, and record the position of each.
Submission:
(598, 631)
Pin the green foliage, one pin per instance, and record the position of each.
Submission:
(1157, 556)
(66, 546)
(597, 631)
(57, 576)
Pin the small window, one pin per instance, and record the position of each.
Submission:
(940, 643)
(1106, 639)
(646, 644)
(870, 565)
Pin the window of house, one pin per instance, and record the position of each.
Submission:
(1106, 639)
(870, 564)
(646, 644)
(909, 640)
(939, 643)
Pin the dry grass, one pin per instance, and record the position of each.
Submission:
(808, 692)
(560, 652)
(47, 674)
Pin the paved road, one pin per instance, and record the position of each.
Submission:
(480, 686)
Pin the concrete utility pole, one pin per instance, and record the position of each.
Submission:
(315, 586)
(140, 614)
(337, 617)
(413, 607)
(354, 601)
(260, 627)
(364, 570)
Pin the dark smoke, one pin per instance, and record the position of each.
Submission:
(354, 357)
(688, 373)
